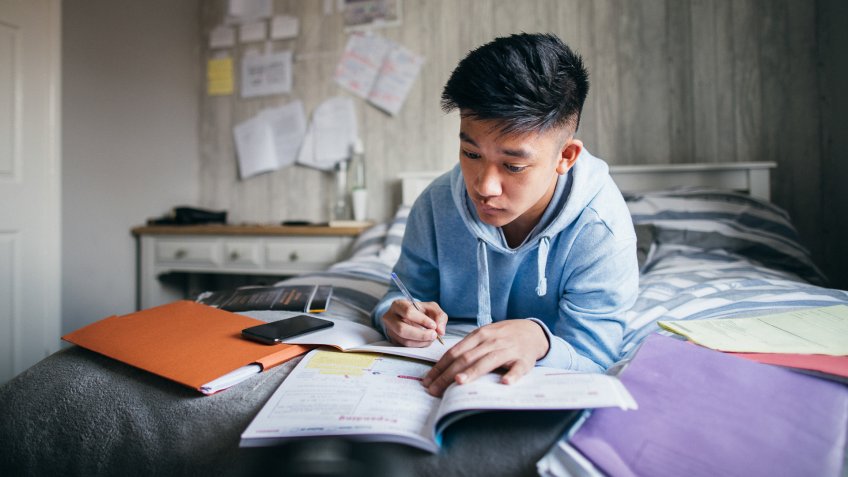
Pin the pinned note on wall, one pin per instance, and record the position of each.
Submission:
(266, 73)
(288, 126)
(253, 31)
(241, 11)
(397, 74)
(284, 27)
(270, 140)
(331, 133)
(255, 147)
(222, 36)
(219, 76)
(360, 63)
(369, 14)
(378, 70)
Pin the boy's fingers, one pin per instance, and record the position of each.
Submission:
(412, 331)
(397, 331)
(411, 315)
(516, 372)
(441, 322)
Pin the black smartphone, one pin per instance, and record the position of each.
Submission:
(277, 331)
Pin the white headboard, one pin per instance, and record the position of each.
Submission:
(750, 177)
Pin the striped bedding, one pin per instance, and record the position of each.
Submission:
(718, 254)
(703, 254)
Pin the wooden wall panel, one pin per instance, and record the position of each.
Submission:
(832, 40)
(672, 81)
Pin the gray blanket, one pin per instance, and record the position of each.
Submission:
(79, 413)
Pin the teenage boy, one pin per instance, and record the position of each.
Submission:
(528, 238)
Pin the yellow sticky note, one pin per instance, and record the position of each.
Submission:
(219, 76)
(351, 364)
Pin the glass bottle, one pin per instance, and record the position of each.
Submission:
(341, 208)
(358, 191)
(357, 165)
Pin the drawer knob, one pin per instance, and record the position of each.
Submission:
(180, 253)
(293, 257)
(234, 255)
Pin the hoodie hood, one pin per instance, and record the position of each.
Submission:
(574, 191)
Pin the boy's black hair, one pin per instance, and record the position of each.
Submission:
(526, 82)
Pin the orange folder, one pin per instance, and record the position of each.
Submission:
(183, 341)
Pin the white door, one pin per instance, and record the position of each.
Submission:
(29, 183)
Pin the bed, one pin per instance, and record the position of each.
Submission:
(714, 248)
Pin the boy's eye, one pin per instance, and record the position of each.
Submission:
(512, 168)
(470, 155)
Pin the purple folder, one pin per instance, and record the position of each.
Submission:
(706, 413)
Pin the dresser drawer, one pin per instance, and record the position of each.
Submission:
(242, 253)
(187, 251)
(309, 253)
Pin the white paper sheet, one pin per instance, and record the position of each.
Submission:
(361, 61)
(288, 127)
(253, 31)
(806, 331)
(250, 10)
(331, 132)
(369, 14)
(379, 70)
(222, 36)
(398, 72)
(255, 147)
(284, 27)
(266, 74)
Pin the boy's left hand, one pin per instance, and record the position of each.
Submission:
(512, 344)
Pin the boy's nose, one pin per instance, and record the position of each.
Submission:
(489, 182)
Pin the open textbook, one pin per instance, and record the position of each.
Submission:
(380, 398)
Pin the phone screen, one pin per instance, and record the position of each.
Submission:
(277, 331)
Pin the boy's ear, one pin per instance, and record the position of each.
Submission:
(568, 155)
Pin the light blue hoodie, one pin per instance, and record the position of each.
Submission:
(575, 274)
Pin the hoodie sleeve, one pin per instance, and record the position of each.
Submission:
(601, 286)
(417, 265)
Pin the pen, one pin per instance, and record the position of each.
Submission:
(408, 296)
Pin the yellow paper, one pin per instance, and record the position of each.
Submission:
(219, 76)
(806, 331)
(333, 362)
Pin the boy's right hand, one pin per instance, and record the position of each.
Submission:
(407, 326)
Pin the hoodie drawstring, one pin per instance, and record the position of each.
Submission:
(541, 263)
(484, 311)
(484, 304)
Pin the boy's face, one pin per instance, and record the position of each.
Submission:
(511, 178)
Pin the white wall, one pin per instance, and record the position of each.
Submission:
(131, 88)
